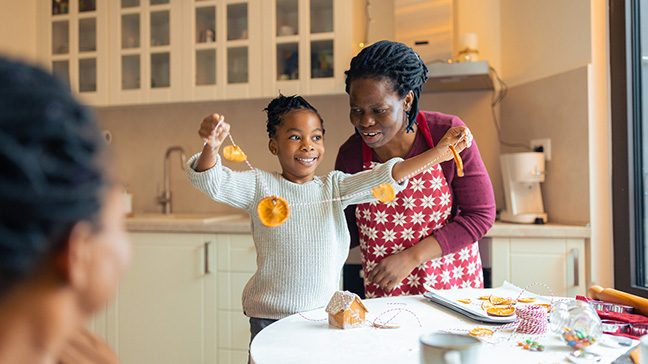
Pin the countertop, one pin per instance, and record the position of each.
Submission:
(240, 224)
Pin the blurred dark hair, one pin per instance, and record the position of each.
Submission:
(395, 62)
(51, 173)
(280, 106)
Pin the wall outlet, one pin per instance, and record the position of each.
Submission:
(544, 144)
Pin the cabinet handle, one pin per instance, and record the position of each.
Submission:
(574, 257)
(206, 252)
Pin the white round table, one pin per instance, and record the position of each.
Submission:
(307, 338)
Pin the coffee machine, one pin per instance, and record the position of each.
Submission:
(522, 174)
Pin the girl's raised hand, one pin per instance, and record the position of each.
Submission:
(457, 136)
(213, 130)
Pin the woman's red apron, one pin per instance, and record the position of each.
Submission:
(421, 208)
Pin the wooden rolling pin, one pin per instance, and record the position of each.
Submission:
(612, 295)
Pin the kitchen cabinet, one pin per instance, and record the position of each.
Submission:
(180, 300)
(145, 51)
(540, 262)
(73, 43)
(152, 51)
(223, 49)
(308, 44)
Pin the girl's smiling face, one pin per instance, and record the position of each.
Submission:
(299, 145)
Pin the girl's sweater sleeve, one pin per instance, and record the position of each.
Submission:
(221, 184)
(356, 188)
(474, 201)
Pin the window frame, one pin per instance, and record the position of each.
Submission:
(626, 115)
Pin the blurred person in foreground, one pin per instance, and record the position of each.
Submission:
(63, 244)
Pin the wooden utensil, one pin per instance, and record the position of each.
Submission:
(615, 296)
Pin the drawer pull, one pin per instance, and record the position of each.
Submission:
(206, 252)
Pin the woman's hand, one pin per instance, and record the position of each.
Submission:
(457, 136)
(213, 131)
(392, 270)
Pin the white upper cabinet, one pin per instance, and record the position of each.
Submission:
(72, 43)
(117, 52)
(308, 44)
(223, 49)
(146, 55)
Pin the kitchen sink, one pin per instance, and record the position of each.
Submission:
(182, 217)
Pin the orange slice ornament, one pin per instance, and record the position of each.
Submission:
(273, 211)
(384, 192)
(458, 161)
(234, 153)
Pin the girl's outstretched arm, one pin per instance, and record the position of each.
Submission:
(459, 137)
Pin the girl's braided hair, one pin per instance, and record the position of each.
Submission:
(395, 62)
(280, 106)
(51, 175)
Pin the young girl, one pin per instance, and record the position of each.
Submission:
(299, 261)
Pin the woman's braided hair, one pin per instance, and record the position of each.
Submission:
(395, 62)
(281, 105)
(51, 175)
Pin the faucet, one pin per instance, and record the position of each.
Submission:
(164, 198)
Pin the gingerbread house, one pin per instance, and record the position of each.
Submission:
(345, 310)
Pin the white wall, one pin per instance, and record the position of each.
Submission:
(544, 38)
(483, 18)
(18, 29)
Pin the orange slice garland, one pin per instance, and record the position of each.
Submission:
(384, 192)
(234, 153)
(273, 211)
(458, 161)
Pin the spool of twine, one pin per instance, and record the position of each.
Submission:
(531, 320)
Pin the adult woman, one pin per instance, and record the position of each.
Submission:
(426, 238)
(63, 245)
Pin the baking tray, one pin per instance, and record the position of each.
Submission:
(485, 318)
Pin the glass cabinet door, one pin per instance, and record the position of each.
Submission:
(304, 43)
(205, 43)
(321, 44)
(75, 50)
(225, 41)
(146, 53)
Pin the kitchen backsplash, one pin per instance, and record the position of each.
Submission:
(141, 135)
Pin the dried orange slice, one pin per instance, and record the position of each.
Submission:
(458, 161)
(464, 300)
(526, 299)
(480, 331)
(486, 305)
(496, 300)
(273, 211)
(501, 311)
(234, 153)
(483, 298)
(384, 192)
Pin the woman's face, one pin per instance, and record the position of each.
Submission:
(376, 110)
(108, 253)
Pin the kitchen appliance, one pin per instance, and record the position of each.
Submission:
(522, 174)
